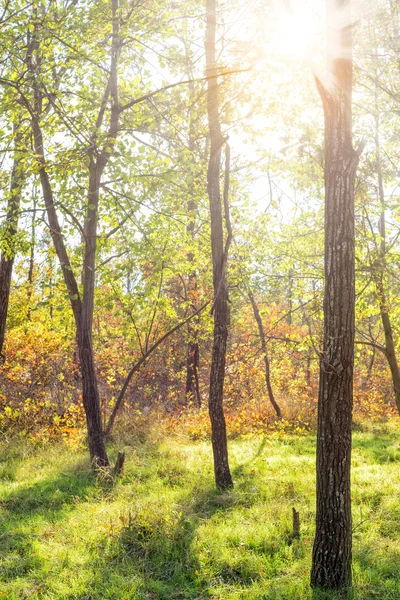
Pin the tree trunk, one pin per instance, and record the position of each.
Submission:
(389, 346)
(192, 367)
(261, 333)
(192, 353)
(331, 560)
(10, 231)
(32, 257)
(82, 310)
(380, 275)
(223, 476)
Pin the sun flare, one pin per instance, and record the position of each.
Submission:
(298, 32)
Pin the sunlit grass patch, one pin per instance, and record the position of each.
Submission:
(163, 530)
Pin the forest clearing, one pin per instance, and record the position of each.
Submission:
(199, 299)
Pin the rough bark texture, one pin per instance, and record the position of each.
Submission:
(10, 230)
(223, 476)
(331, 561)
(261, 333)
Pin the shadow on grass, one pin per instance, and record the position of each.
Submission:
(46, 501)
(378, 449)
(160, 550)
(319, 594)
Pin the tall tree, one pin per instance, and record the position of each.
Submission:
(219, 251)
(332, 551)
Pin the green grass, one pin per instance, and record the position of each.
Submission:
(163, 531)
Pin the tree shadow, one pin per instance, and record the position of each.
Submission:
(48, 500)
(378, 449)
(161, 549)
(320, 594)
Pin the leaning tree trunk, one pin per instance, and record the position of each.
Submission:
(331, 560)
(9, 233)
(261, 333)
(223, 476)
(90, 394)
(82, 308)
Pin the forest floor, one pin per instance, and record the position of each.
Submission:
(162, 530)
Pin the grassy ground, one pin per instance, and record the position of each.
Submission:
(164, 532)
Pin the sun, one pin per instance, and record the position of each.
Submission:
(298, 28)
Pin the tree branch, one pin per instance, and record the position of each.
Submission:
(139, 363)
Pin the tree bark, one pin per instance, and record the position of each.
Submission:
(261, 333)
(10, 231)
(223, 478)
(332, 551)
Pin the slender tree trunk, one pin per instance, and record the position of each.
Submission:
(261, 333)
(223, 476)
(192, 366)
(32, 257)
(289, 317)
(192, 356)
(192, 389)
(82, 309)
(332, 551)
(10, 231)
(380, 274)
(90, 390)
(308, 368)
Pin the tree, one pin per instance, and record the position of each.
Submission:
(219, 252)
(331, 561)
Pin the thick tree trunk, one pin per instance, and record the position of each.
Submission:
(261, 333)
(223, 476)
(331, 561)
(10, 230)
